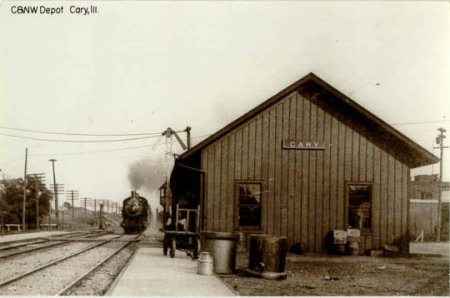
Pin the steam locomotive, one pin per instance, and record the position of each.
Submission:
(135, 212)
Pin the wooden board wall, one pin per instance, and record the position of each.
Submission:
(304, 190)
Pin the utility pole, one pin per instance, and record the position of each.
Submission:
(101, 217)
(56, 192)
(440, 141)
(85, 201)
(37, 202)
(73, 207)
(1, 204)
(95, 209)
(1, 210)
(60, 191)
(37, 178)
(24, 191)
(74, 196)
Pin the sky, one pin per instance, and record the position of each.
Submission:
(139, 67)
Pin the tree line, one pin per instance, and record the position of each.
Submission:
(11, 195)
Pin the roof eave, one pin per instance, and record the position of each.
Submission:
(425, 157)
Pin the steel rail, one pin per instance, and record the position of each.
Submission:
(89, 231)
(97, 234)
(33, 249)
(93, 268)
(21, 241)
(22, 244)
(13, 279)
(71, 235)
(63, 241)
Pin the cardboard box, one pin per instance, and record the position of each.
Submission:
(339, 237)
(353, 235)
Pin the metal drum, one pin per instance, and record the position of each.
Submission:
(267, 257)
(222, 247)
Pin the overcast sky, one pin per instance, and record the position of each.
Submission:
(142, 66)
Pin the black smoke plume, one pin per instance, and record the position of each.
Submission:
(147, 173)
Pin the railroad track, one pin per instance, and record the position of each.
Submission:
(40, 244)
(24, 242)
(62, 275)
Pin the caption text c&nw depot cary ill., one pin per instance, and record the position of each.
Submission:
(53, 10)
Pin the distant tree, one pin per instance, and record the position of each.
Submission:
(12, 197)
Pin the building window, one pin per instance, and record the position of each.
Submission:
(359, 206)
(249, 204)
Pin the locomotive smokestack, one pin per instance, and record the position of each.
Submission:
(133, 194)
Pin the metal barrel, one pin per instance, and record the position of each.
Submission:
(222, 247)
(267, 256)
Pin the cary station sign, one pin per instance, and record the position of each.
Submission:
(302, 145)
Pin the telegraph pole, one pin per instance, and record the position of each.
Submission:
(85, 201)
(101, 217)
(95, 209)
(1, 204)
(56, 192)
(37, 178)
(24, 191)
(440, 141)
(73, 196)
(73, 207)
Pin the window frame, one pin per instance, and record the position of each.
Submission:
(347, 207)
(237, 227)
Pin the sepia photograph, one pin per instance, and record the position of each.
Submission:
(224, 148)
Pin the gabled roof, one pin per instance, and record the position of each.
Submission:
(419, 156)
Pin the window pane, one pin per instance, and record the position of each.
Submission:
(249, 215)
(359, 215)
(249, 194)
(249, 204)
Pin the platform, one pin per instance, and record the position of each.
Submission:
(150, 273)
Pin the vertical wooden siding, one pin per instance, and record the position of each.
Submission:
(304, 190)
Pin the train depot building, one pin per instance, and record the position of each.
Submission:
(305, 162)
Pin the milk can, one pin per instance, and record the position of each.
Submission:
(205, 263)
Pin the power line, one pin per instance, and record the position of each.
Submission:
(78, 141)
(423, 122)
(97, 151)
(111, 150)
(81, 134)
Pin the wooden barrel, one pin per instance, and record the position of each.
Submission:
(267, 257)
(353, 248)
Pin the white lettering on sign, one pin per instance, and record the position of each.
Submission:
(303, 145)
